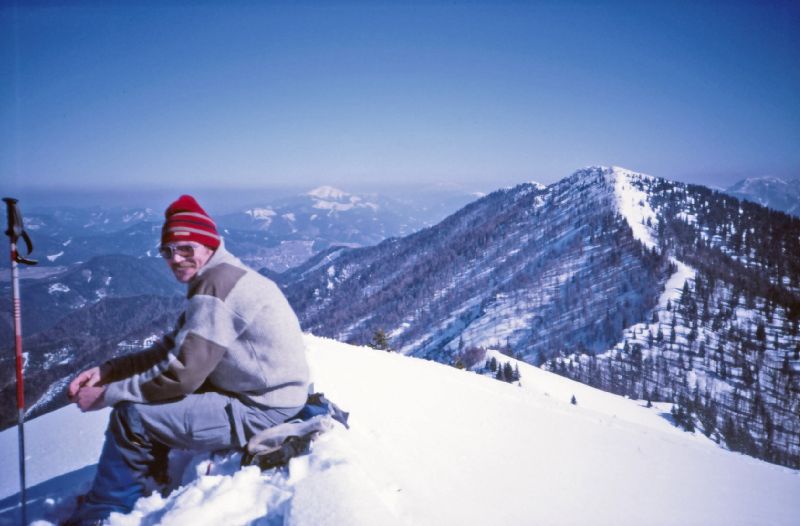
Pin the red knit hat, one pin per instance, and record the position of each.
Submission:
(187, 221)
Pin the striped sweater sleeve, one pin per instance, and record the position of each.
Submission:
(210, 327)
(130, 364)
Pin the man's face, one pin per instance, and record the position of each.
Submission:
(185, 259)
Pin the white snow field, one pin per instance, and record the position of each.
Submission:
(433, 445)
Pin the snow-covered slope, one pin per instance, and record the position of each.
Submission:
(430, 444)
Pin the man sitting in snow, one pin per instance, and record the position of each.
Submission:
(234, 365)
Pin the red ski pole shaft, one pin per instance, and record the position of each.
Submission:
(17, 330)
(20, 378)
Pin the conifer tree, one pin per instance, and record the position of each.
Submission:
(761, 332)
(508, 372)
(493, 364)
(380, 341)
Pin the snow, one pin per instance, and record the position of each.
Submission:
(333, 206)
(335, 200)
(633, 204)
(674, 286)
(264, 215)
(57, 287)
(80, 437)
(135, 216)
(239, 498)
(327, 193)
(54, 257)
(431, 445)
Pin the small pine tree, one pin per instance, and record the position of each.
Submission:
(492, 364)
(459, 362)
(786, 369)
(573, 401)
(380, 341)
(761, 332)
(508, 372)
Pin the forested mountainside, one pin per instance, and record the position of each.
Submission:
(573, 271)
(80, 317)
(521, 268)
(725, 345)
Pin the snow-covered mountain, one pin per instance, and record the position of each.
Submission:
(290, 230)
(433, 445)
(505, 271)
(694, 294)
(771, 192)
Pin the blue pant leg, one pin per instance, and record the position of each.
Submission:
(126, 463)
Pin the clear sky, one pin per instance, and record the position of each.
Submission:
(486, 94)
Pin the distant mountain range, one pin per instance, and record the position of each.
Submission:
(287, 232)
(771, 192)
(276, 235)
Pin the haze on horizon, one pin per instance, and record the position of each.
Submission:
(152, 95)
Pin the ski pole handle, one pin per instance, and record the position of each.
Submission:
(16, 230)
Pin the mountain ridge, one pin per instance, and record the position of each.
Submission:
(579, 269)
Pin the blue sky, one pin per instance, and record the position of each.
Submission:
(250, 94)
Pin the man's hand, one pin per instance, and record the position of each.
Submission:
(88, 378)
(90, 398)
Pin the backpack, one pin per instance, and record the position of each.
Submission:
(275, 446)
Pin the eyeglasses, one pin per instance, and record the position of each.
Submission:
(184, 251)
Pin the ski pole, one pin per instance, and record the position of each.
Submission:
(15, 231)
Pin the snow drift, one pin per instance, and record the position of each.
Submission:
(433, 445)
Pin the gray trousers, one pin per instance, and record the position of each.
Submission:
(208, 421)
(139, 437)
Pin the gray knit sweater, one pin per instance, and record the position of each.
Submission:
(238, 335)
